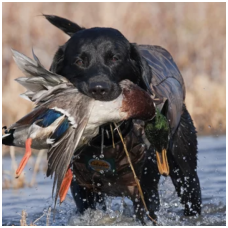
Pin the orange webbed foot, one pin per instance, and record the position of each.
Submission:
(65, 185)
(162, 162)
(25, 158)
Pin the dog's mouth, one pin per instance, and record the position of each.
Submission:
(101, 91)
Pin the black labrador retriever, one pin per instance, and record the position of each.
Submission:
(95, 60)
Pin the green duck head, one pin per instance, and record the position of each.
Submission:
(157, 131)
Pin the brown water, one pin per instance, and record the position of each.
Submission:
(212, 174)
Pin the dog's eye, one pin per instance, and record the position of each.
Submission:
(115, 58)
(79, 62)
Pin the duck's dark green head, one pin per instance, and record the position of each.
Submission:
(157, 131)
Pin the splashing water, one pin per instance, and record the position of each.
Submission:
(119, 211)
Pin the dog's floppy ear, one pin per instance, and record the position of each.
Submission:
(65, 25)
(57, 62)
(142, 64)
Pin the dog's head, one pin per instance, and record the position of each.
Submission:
(95, 60)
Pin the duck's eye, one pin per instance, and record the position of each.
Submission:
(79, 62)
(115, 58)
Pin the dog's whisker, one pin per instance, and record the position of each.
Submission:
(102, 142)
(107, 133)
(113, 142)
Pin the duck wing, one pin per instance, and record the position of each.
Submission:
(54, 95)
(77, 109)
(40, 83)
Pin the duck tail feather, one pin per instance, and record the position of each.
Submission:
(7, 138)
(35, 71)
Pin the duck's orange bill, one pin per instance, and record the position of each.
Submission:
(162, 162)
(65, 185)
(28, 152)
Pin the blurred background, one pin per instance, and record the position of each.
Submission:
(194, 34)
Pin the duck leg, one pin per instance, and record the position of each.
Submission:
(65, 185)
(25, 158)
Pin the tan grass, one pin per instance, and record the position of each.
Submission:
(24, 216)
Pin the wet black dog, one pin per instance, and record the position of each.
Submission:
(96, 60)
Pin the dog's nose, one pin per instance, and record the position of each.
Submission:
(99, 90)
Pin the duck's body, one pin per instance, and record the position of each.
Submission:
(65, 119)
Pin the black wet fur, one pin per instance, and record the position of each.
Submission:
(65, 25)
(85, 198)
(182, 158)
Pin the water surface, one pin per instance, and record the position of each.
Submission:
(212, 174)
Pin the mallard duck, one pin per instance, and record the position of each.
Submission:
(157, 132)
(64, 119)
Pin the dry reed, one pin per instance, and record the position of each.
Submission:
(24, 216)
(134, 174)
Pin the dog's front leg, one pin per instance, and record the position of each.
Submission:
(149, 184)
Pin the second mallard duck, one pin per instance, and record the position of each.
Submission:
(157, 132)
